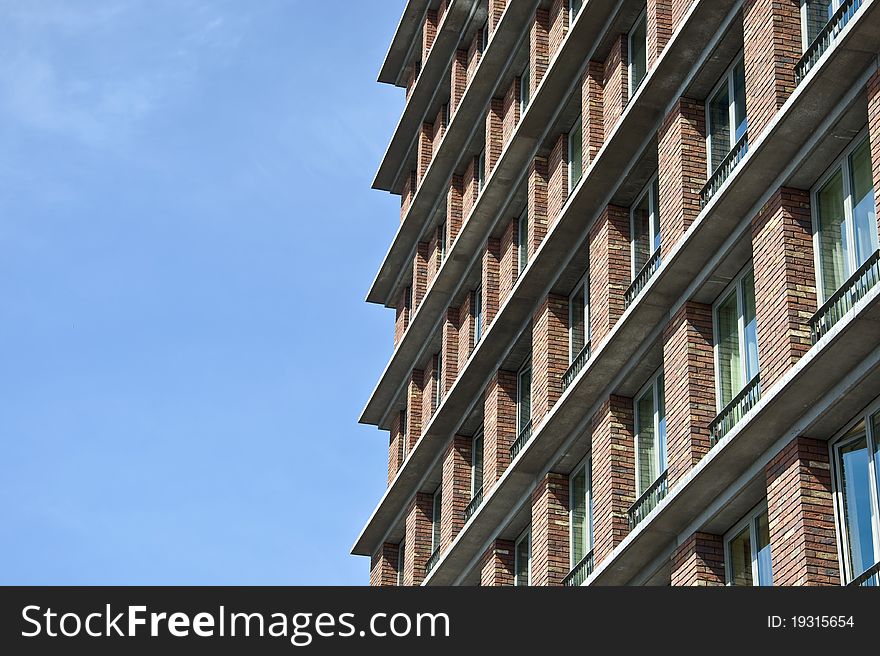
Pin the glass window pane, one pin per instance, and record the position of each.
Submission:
(525, 397)
(477, 458)
(833, 255)
(719, 126)
(661, 422)
(655, 206)
(854, 481)
(524, 89)
(645, 444)
(765, 566)
(478, 315)
(741, 121)
(523, 240)
(639, 53)
(818, 13)
(435, 520)
(577, 322)
(875, 421)
(729, 368)
(579, 528)
(864, 209)
(575, 153)
(750, 324)
(641, 217)
(523, 554)
(740, 551)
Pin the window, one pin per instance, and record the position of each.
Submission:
(477, 463)
(436, 511)
(575, 155)
(478, 315)
(523, 559)
(524, 82)
(638, 52)
(407, 302)
(650, 431)
(404, 434)
(574, 7)
(844, 218)
(400, 554)
(581, 511)
(645, 227)
(736, 338)
(441, 240)
(444, 114)
(747, 550)
(578, 319)
(726, 119)
(524, 397)
(438, 380)
(481, 171)
(522, 240)
(857, 494)
(815, 14)
(484, 37)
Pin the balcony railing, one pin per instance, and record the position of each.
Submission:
(825, 38)
(432, 561)
(474, 503)
(728, 164)
(648, 501)
(524, 436)
(735, 410)
(850, 293)
(642, 278)
(576, 366)
(870, 578)
(580, 573)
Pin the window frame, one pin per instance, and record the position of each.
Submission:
(733, 287)
(524, 90)
(481, 171)
(574, 12)
(748, 520)
(522, 238)
(643, 16)
(525, 535)
(583, 284)
(479, 435)
(477, 305)
(576, 128)
(842, 164)
(835, 5)
(436, 518)
(661, 459)
(526, 367)
(585, 465)
(401, 549)
(405, 428)
(441, 239)
(651, 191)
(726, 78)
(834, 445)
(438, 380)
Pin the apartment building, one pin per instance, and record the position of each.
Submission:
(635, 284)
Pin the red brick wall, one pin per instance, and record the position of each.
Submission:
(511, 111)
(874, 132)
(659, 28)
(429, 32)
(450, 349)
(417, 545)
(499, 425)
(494, 133)
(699, 561)
(509, 269)
(558, 25)
(614, 477)
(395, 448)
(557, 171)
(471, 188)
(439, 130)
(401, 315)
(434, 256)
(549, 354)
(383, 565)
(459, 81)
(681, 154)
(772, 39)
(610, 270)
(409, 190)
(454, 209)
(497, 563)
(803, 547)
(537, 204)
(550, 532)
(474, 55)
(420, 274)
(456, 488)
(429, 392)
(785, 281)
(496, 10)
(616, 83)
(491, 281)
(411, 77)
(465, 331)
(425, 149)
(592, 111)
(679, 8)
(689, 375)
(539, 48)
(414, 406)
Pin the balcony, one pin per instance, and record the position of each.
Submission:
(870, 578)
(580, 573)
(648, 501)
(843, 300)
(524, 436)
(825, 38)
(728, 164)
(474, 503)
(575, 367)
(432, 561)
(735, 410)
(642, 278)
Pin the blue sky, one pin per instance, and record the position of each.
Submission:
(187, 233)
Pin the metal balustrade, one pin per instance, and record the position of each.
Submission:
(870, 578)
(642, 278)
(735, 410)
(580, 573)
(432, 561)
(843, 300)
(576, 366)
(825, 38)
(474, 503)
(524, 436)
(648, 501)
(728, 164)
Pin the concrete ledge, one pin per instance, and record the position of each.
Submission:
(402, 41)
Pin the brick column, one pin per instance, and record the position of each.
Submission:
(496, 10)
(873, 88)
(415, 387)
(499, 425)
(549, 354)
(557, 178)
(537, 204)
(509, 266)
(539, 48)
(465, 331)
(409, 190)
(800, 508)
(497, 564)
(558, 25)
(616, 83)
(491, 282)
(395, 446)
(610, 270)
(660, 27)
(429, 391)
(435, 256)
(458, 83)
(614, 474)
(681, 155)
(420, 274)
(456, 488)
(449, 341)
(689, 391)
(417, 544)
(474, 54)
(550, 533)
(429, 33)
(402, 314)
(772, 40)
(471, 188)
(494, 133)
(679, 9)
(383, 565)
(699, 561)
(511, 110)
(785, 281)
(425, 149)
(439, 130)
(592, 111)
(454, 209)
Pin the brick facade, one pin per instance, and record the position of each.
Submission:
(497, 563)
(449, 341)
(496, 11)
(417, 543)
(549, 354)
(383, 566)
(465, 331)
(491, 282)
(659, 14)
(509, 264)
(456, 487)
(558, 16)
(615, 83)
(557, 178)
(592, 111)
(511, 111)
(494, 133)
(537, 204)
(699, 561)
(550, 535)
(499, 425)
(610, 270)
(415, 388)
(539, 48)
(873, 92)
